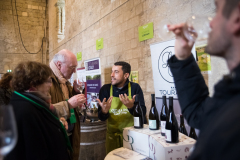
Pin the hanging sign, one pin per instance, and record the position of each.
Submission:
(145, 32)
(99, 44)
(93, 78)
(79, 56)
(162, 76)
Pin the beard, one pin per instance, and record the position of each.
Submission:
(218, 45)
(118, 82)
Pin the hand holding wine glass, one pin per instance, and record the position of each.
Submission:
(80, 87)
(183, 46)
(195, 29)
(8, 130)
(77, 100)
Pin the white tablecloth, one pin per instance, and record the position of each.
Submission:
(125, 153)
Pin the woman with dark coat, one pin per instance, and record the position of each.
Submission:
(5, 88)
(41, 136)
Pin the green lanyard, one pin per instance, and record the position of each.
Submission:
(72, 117)
(62, 127)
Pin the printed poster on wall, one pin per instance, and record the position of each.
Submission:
(204, 60)
(134, 76)
(93, 78)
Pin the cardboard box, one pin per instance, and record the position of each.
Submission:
(150, 143)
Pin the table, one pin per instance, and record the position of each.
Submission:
(151, 144)
(129, 154)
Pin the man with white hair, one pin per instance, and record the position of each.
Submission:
(66, 98)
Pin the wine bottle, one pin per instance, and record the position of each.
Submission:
(153, 115)
(171, 133)
(163, 115)
(192, 133)
(138, 113)
(182, 128)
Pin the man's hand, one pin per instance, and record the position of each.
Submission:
(183, 46)
(105, 105)
(64, 122)
(126, 101)
(77, 100)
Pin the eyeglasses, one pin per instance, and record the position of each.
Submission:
(70, 67)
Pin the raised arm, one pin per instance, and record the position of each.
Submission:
(191, 89)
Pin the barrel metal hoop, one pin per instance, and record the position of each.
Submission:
(89, 127)
(93, 130)
(92, 143)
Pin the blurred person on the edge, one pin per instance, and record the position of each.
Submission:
(6, 88)
(116, 102)
(216, 117)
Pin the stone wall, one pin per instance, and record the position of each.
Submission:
(31, 22)
(117, 23)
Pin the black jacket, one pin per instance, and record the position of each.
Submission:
(217, 117)
(39, 133)
(105, 93)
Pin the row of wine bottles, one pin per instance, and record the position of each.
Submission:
(183, 130)
(169, 125)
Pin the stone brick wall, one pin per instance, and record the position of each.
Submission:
(117, 23)
(31, 18)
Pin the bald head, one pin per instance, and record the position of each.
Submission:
(66, 62)
(63, 56)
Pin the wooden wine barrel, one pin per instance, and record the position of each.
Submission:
(92, 143)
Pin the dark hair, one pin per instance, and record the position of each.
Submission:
(126, 67)
(229, 6)
(28, 74)
(5, 81)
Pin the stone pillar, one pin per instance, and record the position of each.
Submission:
(60, 6)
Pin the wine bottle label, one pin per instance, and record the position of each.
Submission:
(152, 124)
(168, 135)
(136, 122)
(163, 125)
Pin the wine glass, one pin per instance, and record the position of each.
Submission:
(197, 27)
(8, 130)
(80, 87)
(163, 32)
(80, 84)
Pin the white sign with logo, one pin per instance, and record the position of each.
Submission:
(163, 78)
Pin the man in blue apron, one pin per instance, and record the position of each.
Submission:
(116, 102)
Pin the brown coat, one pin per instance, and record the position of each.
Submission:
(56, 97)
